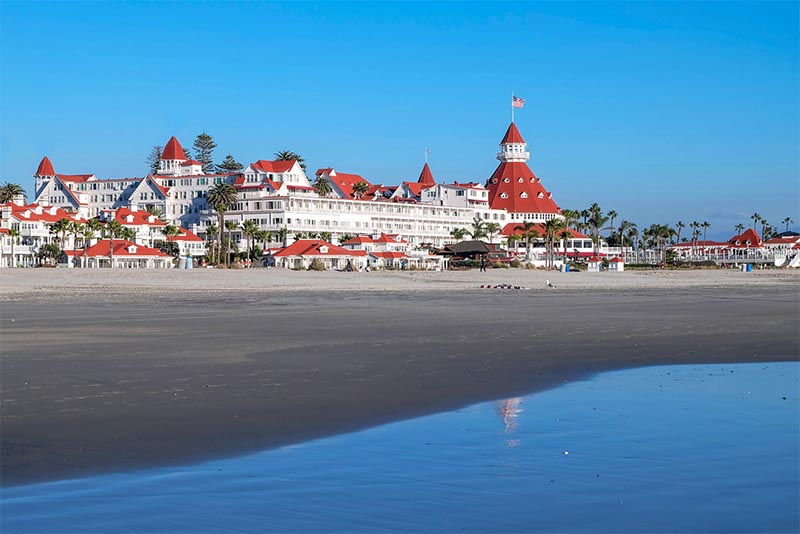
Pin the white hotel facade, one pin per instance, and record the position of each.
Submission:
(278, 195)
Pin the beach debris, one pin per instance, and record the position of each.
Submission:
(548, 284)
(502, 286)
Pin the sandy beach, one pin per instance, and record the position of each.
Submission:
(116, 369)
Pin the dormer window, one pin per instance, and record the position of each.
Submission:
(132, 249)
(533, 180)
(503, 195)
(323, 249)
(523, 195)
(494, 180)
(506, 180)
(519, 180)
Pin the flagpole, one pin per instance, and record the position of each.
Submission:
(512, 105)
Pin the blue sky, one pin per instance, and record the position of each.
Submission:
(662, 112)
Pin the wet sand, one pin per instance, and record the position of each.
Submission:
(106, 371)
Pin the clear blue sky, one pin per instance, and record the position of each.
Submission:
(662, 112)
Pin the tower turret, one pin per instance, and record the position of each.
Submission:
(172, 157)
(44, 173)
(513, 146)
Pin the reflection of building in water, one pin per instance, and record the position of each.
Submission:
(509, 411)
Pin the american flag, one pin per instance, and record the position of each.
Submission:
(517, 102)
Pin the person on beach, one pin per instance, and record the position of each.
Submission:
(483, 263)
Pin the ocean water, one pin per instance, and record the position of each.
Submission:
(662, 449)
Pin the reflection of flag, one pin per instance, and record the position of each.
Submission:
(517, 102)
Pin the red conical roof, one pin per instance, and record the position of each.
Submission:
(512, 135)
(426, 177)
(45, 168)
(173, 150)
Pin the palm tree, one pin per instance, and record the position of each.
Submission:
(633, 235)
(706, 225)
(60, 228)
(221, 198)
(13, 233)
(283, 235)
(739, 228)
(625, 227)
(458, 233)
(680, 226)
(764, 226)
(287, 155)
(8, 191)
(112, 229)
(492, 229)
(75, 229)
(89, 231)
(570, 217)
(156, 212)
(756, 217)
(596, 221)
(211, 232)
(263, 236)
(529, 232)
(323, 186)
(128, 234)
(551, 228)
(249, 229)
(787, 221)
(612, 215)
(478, 228)
(360, 189)
(695, 226)
(511, 241)
(230, 226)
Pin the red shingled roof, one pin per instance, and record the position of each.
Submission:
(426, 177)
(388, 255)
(515, 188)
(516, 228)
(137, 218)
(189, 162)
(45, 168)
(512, 135)
(173, 150)
(748, 238)
(273, 166)
(101, 248)
(185, 235)
(75, 177)
(345, 182)
(311, 247)
(19, 212)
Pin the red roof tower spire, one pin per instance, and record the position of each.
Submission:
(45, 168)
(173, 150)
(514, 187)
(426, 177)
(512, 135)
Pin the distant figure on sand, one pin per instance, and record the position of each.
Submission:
(483, 263)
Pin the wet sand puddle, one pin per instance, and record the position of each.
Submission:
(660, 449)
